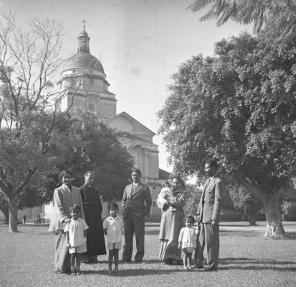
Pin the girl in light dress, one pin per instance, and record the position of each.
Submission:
(75, 231)
(187, 241)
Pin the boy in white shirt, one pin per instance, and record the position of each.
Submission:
(113, 229)
(76, 236)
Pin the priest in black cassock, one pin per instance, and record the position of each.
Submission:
(93, 210)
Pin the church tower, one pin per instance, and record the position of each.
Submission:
(84, 83)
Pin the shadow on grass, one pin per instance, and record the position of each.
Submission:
(152, 232)
(133, 272)
(243, 263)
(290, 235)
(247, 233)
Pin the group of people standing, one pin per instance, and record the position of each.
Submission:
(174, 238)
(80, 230)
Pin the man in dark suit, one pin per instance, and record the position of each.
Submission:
(208, 216)
(136, 204)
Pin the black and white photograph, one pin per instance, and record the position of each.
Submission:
(147, 143)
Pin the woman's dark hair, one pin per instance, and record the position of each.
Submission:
(190, 219)
(75, 207)
(65, 172)
(113, 205)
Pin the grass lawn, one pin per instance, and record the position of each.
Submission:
(246, 259)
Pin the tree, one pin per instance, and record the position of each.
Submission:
(99, 150)
(28, 59)
(274, 17)
(240, 107)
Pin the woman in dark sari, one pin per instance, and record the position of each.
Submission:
(171, 202)
(93, 210)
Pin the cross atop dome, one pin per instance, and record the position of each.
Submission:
(83, 21)
(83, 40)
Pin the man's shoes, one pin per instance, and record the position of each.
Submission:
(199, 266)
(138, 261)
(126, 260)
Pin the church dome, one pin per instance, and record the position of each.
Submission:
(83, 60)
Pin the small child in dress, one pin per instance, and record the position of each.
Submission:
(76, 238)
(187, 242)
(113, 229)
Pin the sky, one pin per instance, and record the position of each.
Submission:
(140, 44)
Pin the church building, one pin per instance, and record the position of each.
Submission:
(85, 87)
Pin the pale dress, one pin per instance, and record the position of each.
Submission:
(188, 237)
(77, 240)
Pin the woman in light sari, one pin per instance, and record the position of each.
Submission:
(64, 196)
(171, 201)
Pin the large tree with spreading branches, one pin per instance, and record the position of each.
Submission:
(28, 58)
(240, 107)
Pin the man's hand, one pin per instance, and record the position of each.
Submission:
(214, 223)
(197, 230)
(67, 220)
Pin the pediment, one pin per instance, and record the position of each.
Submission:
(126, 123)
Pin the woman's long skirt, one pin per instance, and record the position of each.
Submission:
(62, 257)
(170, 226)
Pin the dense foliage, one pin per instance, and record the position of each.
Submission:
(238, 106)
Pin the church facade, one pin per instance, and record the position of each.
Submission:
(84, 87)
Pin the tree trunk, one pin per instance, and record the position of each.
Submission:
(252, 218)
(271, 204)
(274, 226)
(12, 208)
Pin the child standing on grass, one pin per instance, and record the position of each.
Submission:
(187, 241)
(113, 229)
(76, 238)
